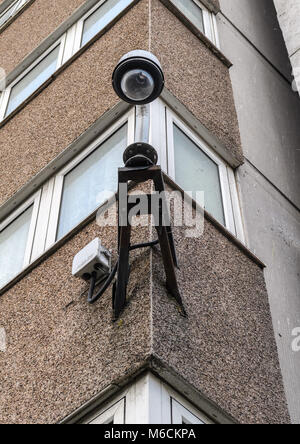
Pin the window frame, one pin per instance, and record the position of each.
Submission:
(32, 201)
(59, 178)
(171, 120)
(80, 24)
(18, 4)
(179, 412)
(47, 200)
(114, 412)
(7, 92)
(162, 118)
(70, 42)
(14, 7)
(209, 22)
(147, 400)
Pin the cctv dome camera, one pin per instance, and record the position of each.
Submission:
(138, 78)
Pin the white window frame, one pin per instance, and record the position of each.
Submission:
(35, 202)
(209, 22)
(47, 201)
(18, 4)
(147, 401)
(185, 414)
(230, 202)
(114, 413)
(80, 23)
(70, 44)
(6, 94)
(59, 179)
(15, 4)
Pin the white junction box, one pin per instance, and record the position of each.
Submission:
(93, 258)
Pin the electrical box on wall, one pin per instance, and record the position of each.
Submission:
(93, 258)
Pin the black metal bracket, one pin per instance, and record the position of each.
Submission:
(163, 228)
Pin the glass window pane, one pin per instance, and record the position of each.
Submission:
(84, 185)
(13, 242)
(181, 415)
(7, 14)
(192, 11)
(33, 80)
(102, 17)
(195, 171)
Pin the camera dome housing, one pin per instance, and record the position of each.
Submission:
(138, 78)
(140, 155)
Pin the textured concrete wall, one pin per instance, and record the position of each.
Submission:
(61, 352)
(289, 20)
(273, 226)
(35, 24)
(68, 106)
(83, 92)
(226, 347)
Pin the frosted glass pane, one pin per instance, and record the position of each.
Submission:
(7, 14)
(13, 242)
(195, 171)
(85, 183)
(192, 11)
(33, 80)
(102, 17)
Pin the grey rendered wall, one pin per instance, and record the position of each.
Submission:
(268, 113)
(289, 20)
(254, 21)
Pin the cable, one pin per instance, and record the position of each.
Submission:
(92, 286)
(108, 279)
(92, 299)
(145, 245)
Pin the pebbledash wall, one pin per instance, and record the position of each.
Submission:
(60, 352)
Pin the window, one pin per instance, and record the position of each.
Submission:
(84, 184)
(191, 163)
(193, 11)
(195, 170)
(200, 17)
(11, 11)
(84, 187)
(65, 200)
(7, 13)
(16, 238)
(181, 414)
(59, 53)
(21, 90)
(147, 401)
(101, 17)
(111, 415)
